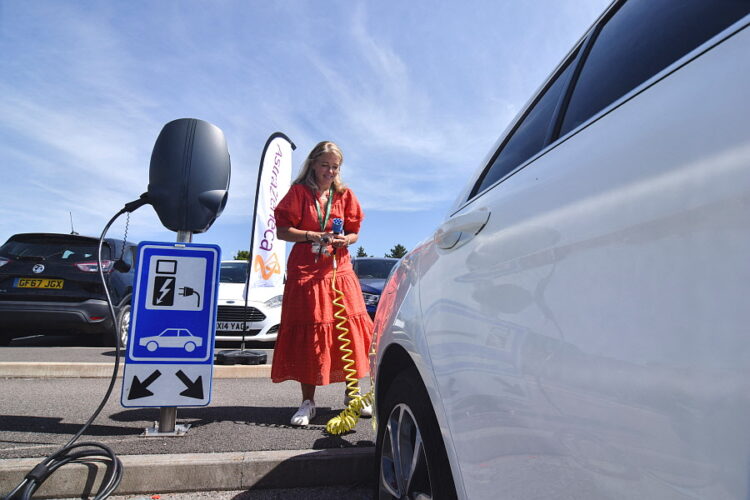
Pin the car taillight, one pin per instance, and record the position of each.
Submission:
(92, 267)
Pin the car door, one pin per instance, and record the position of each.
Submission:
(584, 314)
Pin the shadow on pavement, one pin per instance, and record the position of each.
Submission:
(257, 416)
(359, 491)
(53, 425)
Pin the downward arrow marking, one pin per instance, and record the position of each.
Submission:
(194, 389)
(139, 389)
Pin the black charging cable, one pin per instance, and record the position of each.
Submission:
(86, 451)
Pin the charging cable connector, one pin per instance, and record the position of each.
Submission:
(186, 291)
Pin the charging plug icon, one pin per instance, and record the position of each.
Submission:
(186, 291)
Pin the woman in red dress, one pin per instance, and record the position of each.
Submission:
(307, 345)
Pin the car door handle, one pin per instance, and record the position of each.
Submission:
(461, 228)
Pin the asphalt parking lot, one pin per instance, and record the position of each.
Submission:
(241, 441)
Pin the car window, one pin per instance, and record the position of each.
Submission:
(640, 39)
(233, 272)
(533, 132)
(52, 250)
(373, 269)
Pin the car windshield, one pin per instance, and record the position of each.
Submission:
(373, 268)
(52, 249)
(233, 272)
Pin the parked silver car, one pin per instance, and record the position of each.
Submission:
(577, 327)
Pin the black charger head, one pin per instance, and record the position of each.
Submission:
(189, 175)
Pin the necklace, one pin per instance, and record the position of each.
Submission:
(324, 221)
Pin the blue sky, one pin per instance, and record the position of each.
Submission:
(415, 92)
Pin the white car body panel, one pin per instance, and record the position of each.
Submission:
(591, 341)
(233, 294)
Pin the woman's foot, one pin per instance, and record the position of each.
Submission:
(305, 413)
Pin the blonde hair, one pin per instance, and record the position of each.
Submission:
(307, 175)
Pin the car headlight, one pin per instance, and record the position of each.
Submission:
(370, 298)
(274, 301)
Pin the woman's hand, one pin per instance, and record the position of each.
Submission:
(339, 241)
(321, 238)
(317, 237)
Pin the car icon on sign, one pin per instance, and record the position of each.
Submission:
(180, 338)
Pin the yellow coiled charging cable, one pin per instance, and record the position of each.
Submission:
(347, 419)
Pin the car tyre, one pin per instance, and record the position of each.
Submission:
(410, 454)
(190, 346)
(122, 325)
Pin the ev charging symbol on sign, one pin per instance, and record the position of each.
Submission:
(175, 283)
(165, 294)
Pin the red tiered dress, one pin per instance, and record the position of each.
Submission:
(307, 345)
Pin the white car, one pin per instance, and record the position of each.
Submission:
(172, 338)
(578, 325)
(262, 316)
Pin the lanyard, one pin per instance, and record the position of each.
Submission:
(324, 223)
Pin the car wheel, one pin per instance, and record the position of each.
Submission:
(123, 325)
(190, 346)
(152, 346)
(410, 454)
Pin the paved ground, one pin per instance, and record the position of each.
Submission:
(39, 415)
(241, 442)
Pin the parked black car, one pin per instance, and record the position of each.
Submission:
(372, 273)
(50, 284)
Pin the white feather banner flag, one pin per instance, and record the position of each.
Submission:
(267, 253)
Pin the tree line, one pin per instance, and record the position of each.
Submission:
(396, 252)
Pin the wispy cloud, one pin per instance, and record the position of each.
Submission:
(414, 92)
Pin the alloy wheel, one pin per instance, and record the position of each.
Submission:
(124, 325)
(403, 468)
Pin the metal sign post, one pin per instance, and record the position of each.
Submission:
(169, 358)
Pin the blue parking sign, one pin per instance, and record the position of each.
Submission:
(170, 351)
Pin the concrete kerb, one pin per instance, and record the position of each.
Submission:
(144, 474)
(25, 369)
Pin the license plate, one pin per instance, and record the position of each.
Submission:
(39, 283)
(231, 326)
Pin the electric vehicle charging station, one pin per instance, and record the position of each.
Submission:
(169, 360)
(188, 188)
